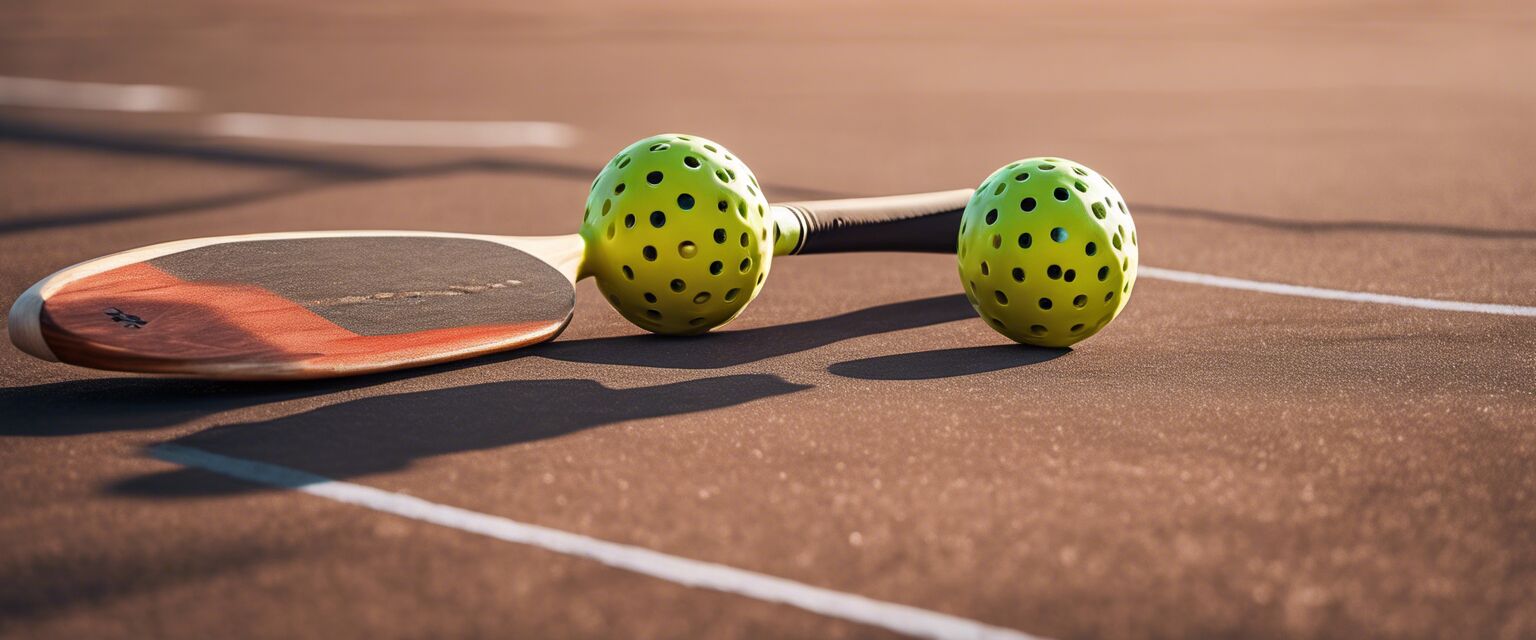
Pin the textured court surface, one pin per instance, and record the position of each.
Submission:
(1215, 463)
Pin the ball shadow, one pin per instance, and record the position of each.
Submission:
(946, 363)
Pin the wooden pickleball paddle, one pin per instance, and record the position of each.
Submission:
(335, 303)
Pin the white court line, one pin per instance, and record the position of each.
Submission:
(391, 133)
(1333, 294)
(59, 94)
(690, 573)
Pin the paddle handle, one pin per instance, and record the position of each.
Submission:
(921, 222)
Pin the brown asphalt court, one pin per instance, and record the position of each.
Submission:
(1216, 463)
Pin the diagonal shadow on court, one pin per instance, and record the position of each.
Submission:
(136, 403)
(385, 433)
(722, 349)
(319, 172)
(1332, 226)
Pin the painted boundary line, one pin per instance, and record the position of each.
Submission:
(391, 133)
(150, 98)
(1334, 294)
(99, 96)
(683, 571)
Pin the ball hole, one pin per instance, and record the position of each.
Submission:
(1098, 210)
(997, 241)
(741, 209)
(1021, 176)
(629, 274)
(1079, 171)
(650, 297)
(1061, 194)
(723, 206)
(997, 191)
(1090, 248)
(685, 201)
(992, 217)
(719, 236)
(624, 163)
(1045, 303)
(1027, 205)
(629, 221)
(702, 298)
(746, 264)
(1047, 167)
(1026, 241)
(1103, 273)
(1053, 272)
(985, 270)
(658, 219)
(653, 177)
(744, 239)
(1109, 296)
(1037, 329)
(678, 285)
(721, 175)
(997, 323)
(1080, 301)
(731, 295)
(691, 162)
(1081, 188)
(1001, 297)
(653, 314)
(660, 146)
(1115, 241)
(687, 249)
(607, 204)
(618, 189)
(716, 267)
(610, 230)
(710, 147)
(1059, 234)
(1077, 327)
(1018, 274)
(695, 322)
(649, 252)
(1069, 275)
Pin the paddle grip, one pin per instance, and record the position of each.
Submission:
(921, 222)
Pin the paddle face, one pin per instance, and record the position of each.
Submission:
(284, 306)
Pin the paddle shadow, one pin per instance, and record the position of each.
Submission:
(134, 403)
(730, 348)
(387, 433)
(946, 363)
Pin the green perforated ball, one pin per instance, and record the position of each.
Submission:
(1047, 251)
(676, 233)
